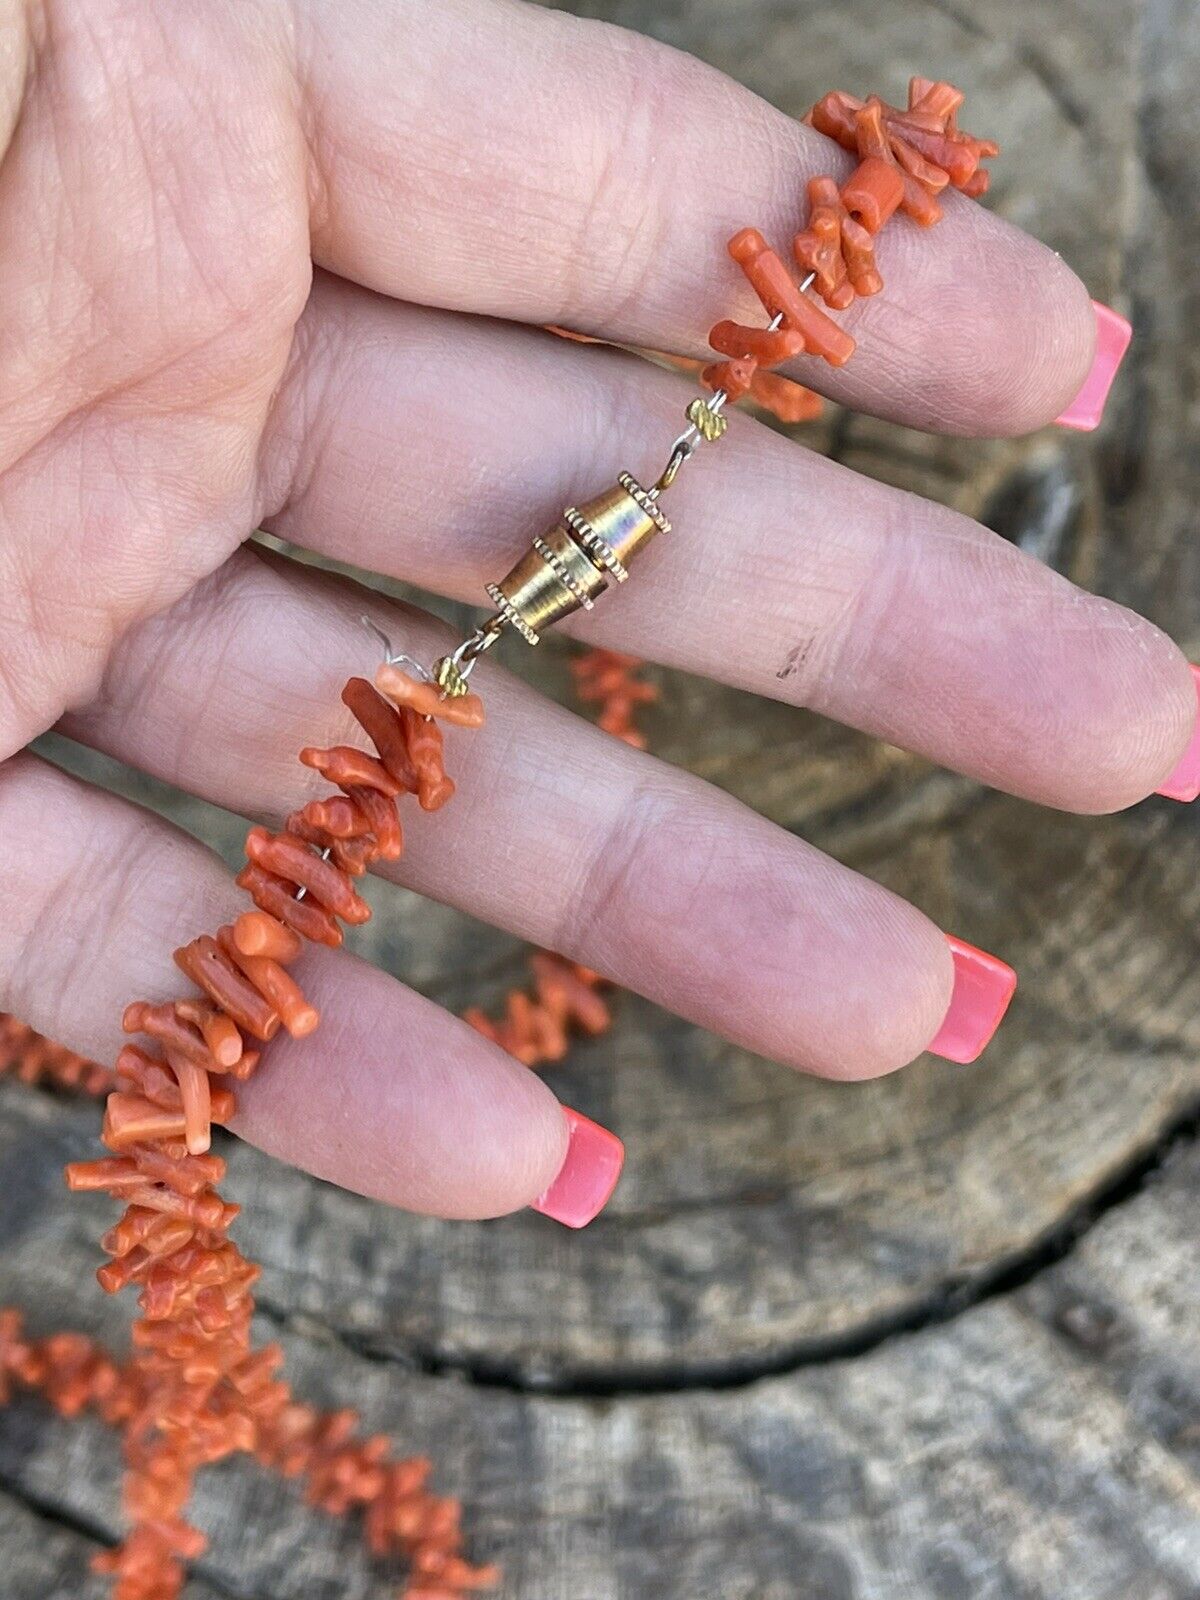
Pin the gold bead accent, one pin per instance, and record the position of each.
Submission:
(712, 424)
(448, 676)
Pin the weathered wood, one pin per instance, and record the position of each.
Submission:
(1045, 1444)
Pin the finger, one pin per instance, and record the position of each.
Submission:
(601, 193)
(391, 1097)
(558, 833)
(784, 574)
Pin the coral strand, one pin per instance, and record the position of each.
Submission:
(607, 678)
(197, 1389)
(907, 158)
(538, 1022)
(33, 1059)
(342, 1471)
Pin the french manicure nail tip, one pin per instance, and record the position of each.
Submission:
(983, 988)
(587, 1177)
(1113, 334)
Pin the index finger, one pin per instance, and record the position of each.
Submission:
(498, 158)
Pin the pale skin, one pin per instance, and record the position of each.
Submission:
(284, 264)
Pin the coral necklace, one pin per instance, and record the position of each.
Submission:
(196, 1389)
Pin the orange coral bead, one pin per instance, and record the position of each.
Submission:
(113, 1175)
(290, 858)
(207, 1209)
(381, 723)
(163, 1022)
(151, 1079)
(773, 284)
(464, 711)
(572, 990)
(210, 969)
(277, 987)
(220, 1032)
(257, 934)
(383, 825)
(610, 678)
(790, 402)
(128, 1119)
(838, 251)
(921, 179)
(185, 1174)
(197, 1110)
(732, 377)
(768, 349)
(149, 1075)
(423, 738)
(336, 817)
(873, 192)
(355, 855)
(930, 124)
(349, 767)
(276, 896)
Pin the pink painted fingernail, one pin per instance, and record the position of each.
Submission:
(1184, 782)
(983, 987)
(588, 1175)
(1113, 334)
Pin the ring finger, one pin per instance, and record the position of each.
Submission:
(562, 835)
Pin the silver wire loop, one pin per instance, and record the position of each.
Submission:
(463, 658)
(396, 658)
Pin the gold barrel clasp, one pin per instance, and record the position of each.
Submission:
(564, 570)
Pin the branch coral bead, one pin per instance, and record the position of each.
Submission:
(923, 142)
(460, 711)
(780, 296)
(836, 249)
(759, 345)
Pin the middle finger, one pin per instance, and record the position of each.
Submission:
(430, 446)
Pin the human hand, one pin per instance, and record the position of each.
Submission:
(173, 376)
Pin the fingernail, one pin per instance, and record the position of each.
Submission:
(588, 1175)
(1113, 334)
(983, 987)
(1184, 782)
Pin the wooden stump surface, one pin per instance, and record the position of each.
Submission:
(931, 1337)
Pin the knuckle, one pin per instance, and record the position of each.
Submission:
(594, 921)
(619, 238)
